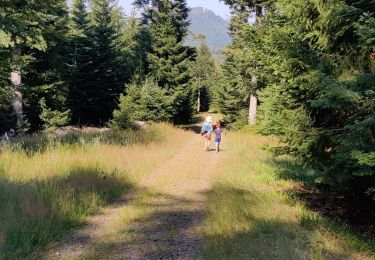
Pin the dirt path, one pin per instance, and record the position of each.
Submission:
(158, 220)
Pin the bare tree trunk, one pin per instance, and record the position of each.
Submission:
(15, 77)
(199, 101)
(253, 104)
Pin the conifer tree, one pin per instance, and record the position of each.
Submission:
(318, 71)
(32, 30)
(102, 86)
(236, 84)
(46, 71)
(133, 44)
(239, 27)
(203, 71)
(168, 58)
(233, 90)
(144, 101)
(80, 58)
(21, 27)
(7, 119)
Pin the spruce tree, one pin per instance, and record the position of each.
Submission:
(80, 58)
(168, 58)
(236, 84)
(102, 87)
(203, 71)
(144, 101)
(232, 93)
(21, 28)
(319, 79)
(39, 38)
(46, 73)
(240, 33)
(133, 44)
(7, 118)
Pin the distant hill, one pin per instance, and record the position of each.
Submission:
(214, 27)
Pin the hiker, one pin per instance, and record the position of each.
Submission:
(218, 131)
(206, 132)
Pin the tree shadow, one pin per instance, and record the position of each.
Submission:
(289, 169)
(353, 209)
(34, 213)
(237, 224)
(244, 224)
(168, 231)
(195, 125)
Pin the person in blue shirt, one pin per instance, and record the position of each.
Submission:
(206, 132)
(218, 131)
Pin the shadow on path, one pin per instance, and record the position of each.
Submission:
(167, 231)
(247, 224)
(35, 213)
(195, 125)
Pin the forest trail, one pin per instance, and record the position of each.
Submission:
(157, 220)
(235, 204)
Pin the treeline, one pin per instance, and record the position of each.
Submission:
(311, 66)
(87, 63)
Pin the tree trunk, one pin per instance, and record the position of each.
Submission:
(253, 104)
(199, 101)
(15, 77)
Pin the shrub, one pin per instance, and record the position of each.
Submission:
(144, 102)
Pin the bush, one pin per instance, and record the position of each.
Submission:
(143, 102)
(52, 118)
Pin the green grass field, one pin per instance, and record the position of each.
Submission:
(251, 214)
(50, 185)
(242, 209)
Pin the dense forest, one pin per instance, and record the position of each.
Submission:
(311, 65)
(300, 70)
(76, 64)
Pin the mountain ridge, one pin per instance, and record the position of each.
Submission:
(212, 26)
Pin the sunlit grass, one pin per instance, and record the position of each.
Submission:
(251, 216)
(45, 190)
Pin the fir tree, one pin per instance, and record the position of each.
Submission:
(7, 119)
(168, 58)
(46, 66)
(241, 33)
(237, 79)
(203, 71)
(21, 27)
(102, 87)
(80, 58)
(133, 43)
(314, 100)
(144, 101)
(233, 90)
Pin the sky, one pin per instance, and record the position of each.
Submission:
(215, 5)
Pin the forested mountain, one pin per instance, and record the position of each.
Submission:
(213, 27)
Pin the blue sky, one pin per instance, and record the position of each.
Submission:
(215, 5)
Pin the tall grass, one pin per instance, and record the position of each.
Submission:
(250, 214)
(41, 142)
(35, 212)
(49, 185)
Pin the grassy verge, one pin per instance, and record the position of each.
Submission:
(50, 185)
(251, 214)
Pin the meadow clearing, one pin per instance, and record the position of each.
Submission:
(156, 194)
